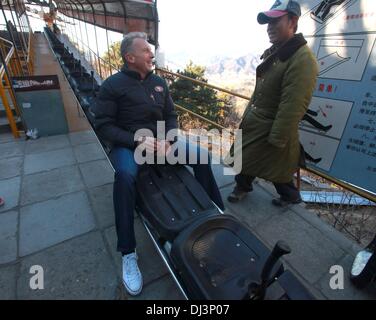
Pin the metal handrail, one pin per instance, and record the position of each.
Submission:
(29, 56)
(7, 57)
(363, 193)
(98, 57)
(29, 47)
(214, 124)
(203, 83)
(3, 96)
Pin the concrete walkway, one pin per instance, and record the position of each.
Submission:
(58, 215)
(46, 64)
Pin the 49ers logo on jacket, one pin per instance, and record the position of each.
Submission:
(158, 89)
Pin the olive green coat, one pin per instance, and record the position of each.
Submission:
(284, 86)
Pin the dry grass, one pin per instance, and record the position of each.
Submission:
(356, 222)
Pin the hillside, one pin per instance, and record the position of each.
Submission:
(236, 74)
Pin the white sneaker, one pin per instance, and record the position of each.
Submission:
(132, 277)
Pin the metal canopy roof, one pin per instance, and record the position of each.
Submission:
(117, 15)
(15, 5)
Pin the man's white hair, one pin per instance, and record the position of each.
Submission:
(127, 42)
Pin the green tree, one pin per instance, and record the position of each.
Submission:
(200, 99)
(113, 55)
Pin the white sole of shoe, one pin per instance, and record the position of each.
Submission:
(131, 292)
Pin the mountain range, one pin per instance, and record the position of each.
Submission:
(245, 65)
(222, 71)
(235, 74)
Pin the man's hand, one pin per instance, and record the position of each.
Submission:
(149, 143)
(163, 148)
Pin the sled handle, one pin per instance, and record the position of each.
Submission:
(257, 292)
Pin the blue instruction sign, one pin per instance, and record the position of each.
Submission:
(340, 134)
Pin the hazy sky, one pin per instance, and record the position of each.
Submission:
(202, 29)
(212, 27)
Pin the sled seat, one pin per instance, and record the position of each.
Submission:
(170, 199)
(218, 257)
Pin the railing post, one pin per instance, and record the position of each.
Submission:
(17, 58)
(96, 39)
(15, 3)
(8, 111)
(108, 46)
(11, 93)
(31, 52)
(19, 34)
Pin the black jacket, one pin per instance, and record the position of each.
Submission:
(126, 104)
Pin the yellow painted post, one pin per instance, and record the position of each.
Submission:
(17, 60)
(2, 49)
(14, 70)
(31, 52)
(8, 111)
(19, 67)
(29, 68)
(15, 65)
(30, 61)
(23, 63)
(27, 61)
(11, 93)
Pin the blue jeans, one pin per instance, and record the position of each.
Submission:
(124, 194)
